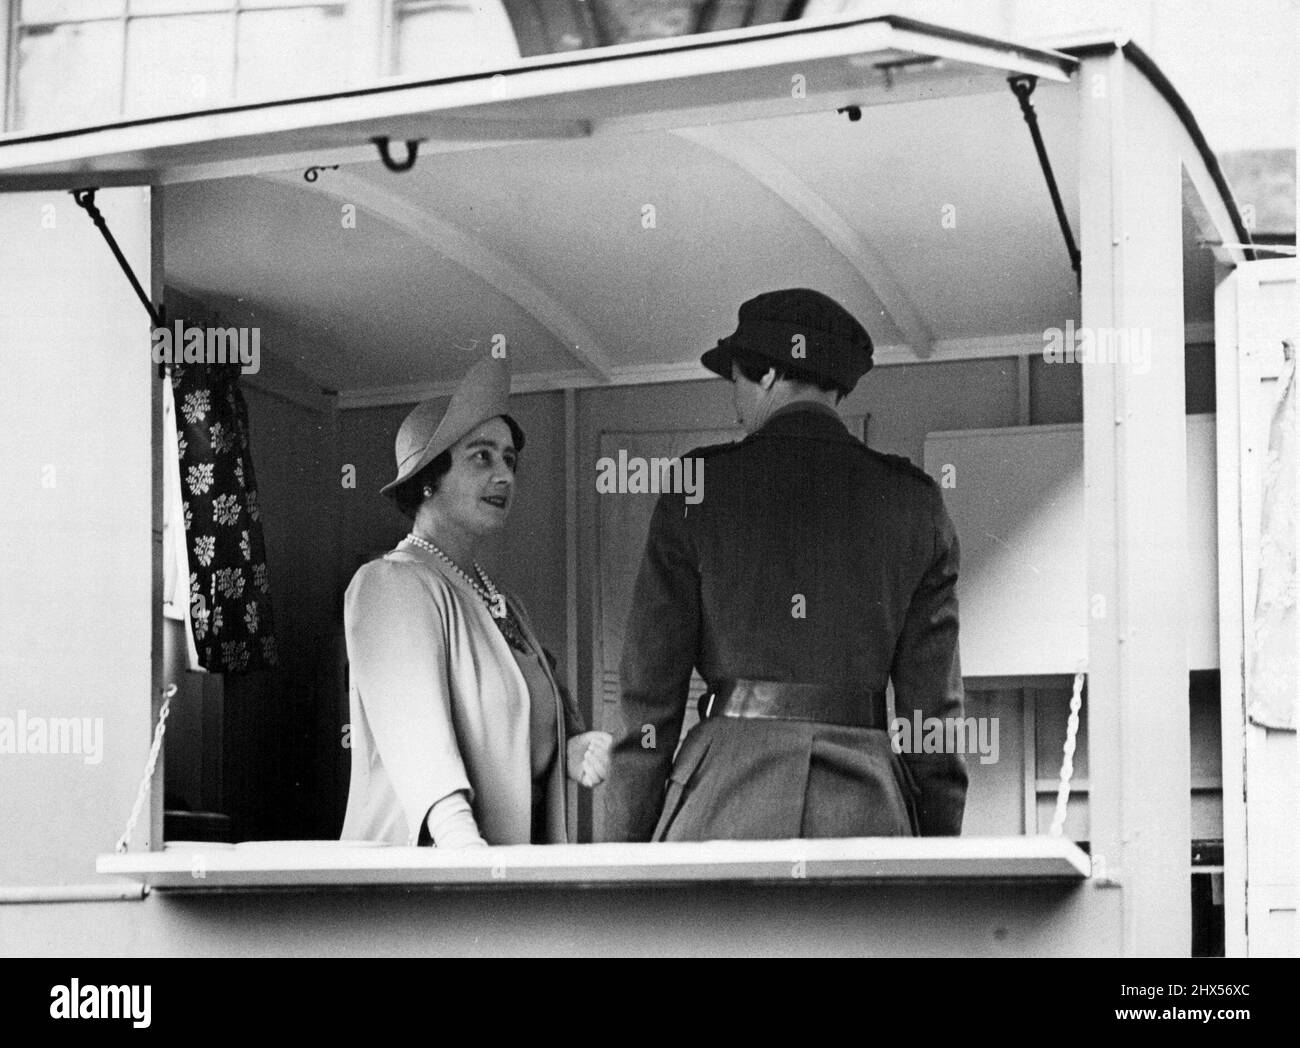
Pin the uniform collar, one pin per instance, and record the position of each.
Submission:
(806, 418)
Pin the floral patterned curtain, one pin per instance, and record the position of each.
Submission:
(230, 603)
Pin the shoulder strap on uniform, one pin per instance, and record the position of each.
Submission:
(903, 465)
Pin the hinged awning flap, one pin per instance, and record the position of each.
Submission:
(711, 78)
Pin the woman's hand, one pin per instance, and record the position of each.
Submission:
(588, 755)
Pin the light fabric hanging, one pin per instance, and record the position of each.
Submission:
(176, 572)
(1272, 681)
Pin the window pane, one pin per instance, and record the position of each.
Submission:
(68, 10)
(167, 7)
(69, 76)
(444, 39)
(291, 3)
(629, 20)
(178, 63)
(726, 14)
(285, 53)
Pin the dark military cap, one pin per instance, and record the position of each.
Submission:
(799, 329)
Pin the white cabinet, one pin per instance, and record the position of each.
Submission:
(1016, 498)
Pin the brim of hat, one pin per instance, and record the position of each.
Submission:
(718, 360)
(433, 451)
(410, 471)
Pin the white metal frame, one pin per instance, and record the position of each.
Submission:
(1239, 372)
(1134, 429)
(1135, 494)
(8, 63)
(1134, 453)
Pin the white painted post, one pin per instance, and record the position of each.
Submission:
(1232, 710)
(1135, 476)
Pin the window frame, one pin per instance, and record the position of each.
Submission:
(984, 859)
(14, 26)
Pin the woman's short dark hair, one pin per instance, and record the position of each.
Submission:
(754, 367)
(410, 493)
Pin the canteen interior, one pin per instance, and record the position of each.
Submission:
(607, 266)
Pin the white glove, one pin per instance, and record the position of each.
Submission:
(451, 823)
(588, 757)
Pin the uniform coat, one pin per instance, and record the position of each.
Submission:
(798, 519)
(438, 705)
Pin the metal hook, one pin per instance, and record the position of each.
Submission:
(1022, 86)
(412, 150)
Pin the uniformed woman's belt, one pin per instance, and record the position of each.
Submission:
(783, 700)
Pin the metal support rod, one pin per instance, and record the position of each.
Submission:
(85, 199)
(1022, 87)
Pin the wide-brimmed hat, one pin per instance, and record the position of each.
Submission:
(428, 431)
(802, 330)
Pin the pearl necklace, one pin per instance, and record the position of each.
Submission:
(490, 595)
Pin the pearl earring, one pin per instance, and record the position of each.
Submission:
(428, 493)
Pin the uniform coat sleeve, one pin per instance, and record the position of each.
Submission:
(659, 651)
(926, 672)
(397, 648)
